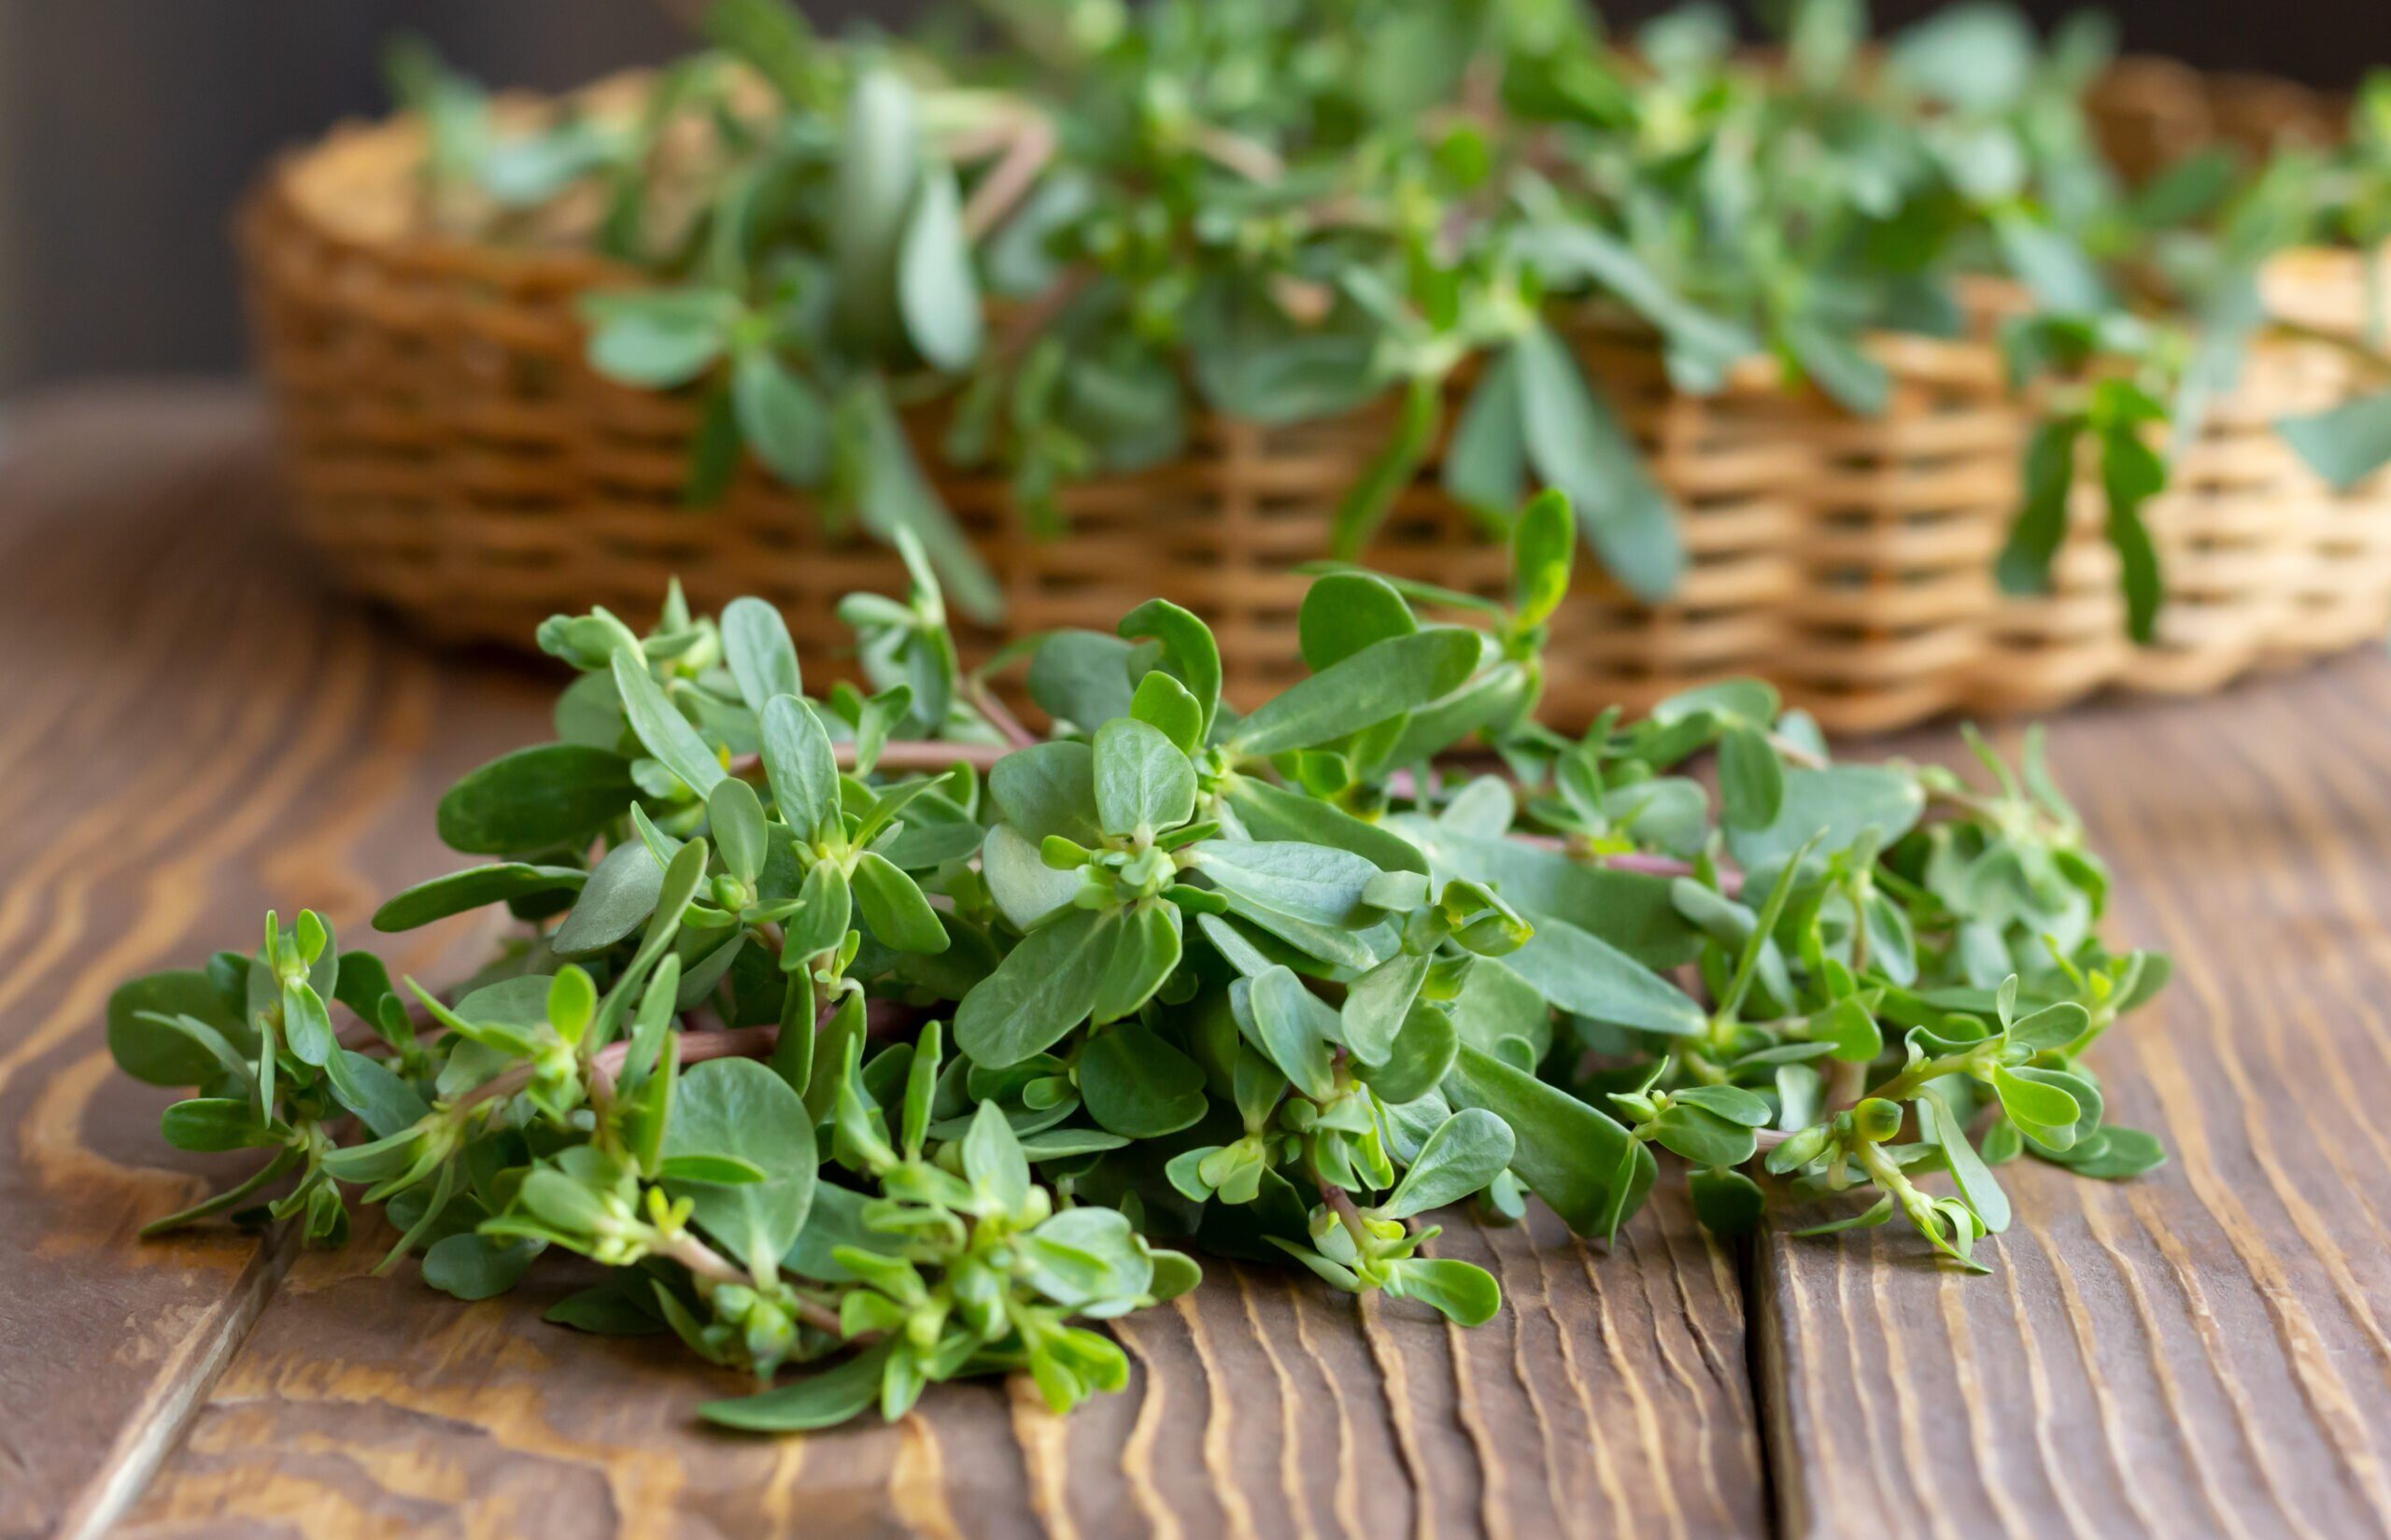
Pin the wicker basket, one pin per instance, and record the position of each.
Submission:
(453, 458)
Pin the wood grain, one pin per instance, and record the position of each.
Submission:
(191, 736)
(2203, 1351)
(184, 744)
(1611, 1398)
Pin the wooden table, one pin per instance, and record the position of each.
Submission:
(189, 731)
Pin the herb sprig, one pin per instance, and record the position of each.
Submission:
(869, 1031)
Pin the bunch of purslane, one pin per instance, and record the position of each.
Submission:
(1076, 227)
(868, 1030)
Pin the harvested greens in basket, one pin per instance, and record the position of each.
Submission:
(1077, 223)
(872, 1033)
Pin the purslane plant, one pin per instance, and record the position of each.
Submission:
(1282, 209)
(868, 1031)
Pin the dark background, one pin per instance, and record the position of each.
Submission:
(129, 127)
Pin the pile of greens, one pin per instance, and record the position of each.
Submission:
(871, 1031)
(1065, 227)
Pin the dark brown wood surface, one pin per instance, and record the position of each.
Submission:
(188, 733)
(2201, 1352)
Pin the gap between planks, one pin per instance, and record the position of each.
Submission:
(157, 1426)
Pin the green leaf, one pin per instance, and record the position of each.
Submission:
(1146, 947)
(1733, 1102)
(822, 1399)
(1836, 362)
(1049, 789)
(1849, 1027)
(1295, 1029)
(1138, 1085)
(1702, 1137)
(1083, 678)
(757, 647)
(1836, 806)
(1043, 988)
(1419, 1058)
(1272, 813)
(2023, 566)
(1486, 462)
(1381, 681)
(147, 1046)
(1024, 887)
(1975, 1180)
(936, 290)
(771, 38)
(1586, 976)
(473, 888)
(1544, 548)
(2084, 1129)
(1467, 1151)
(661, 729)
(1310, 882)
(801, 768)
(1751, 779)
(739, 1109)
(617, 899)
(618, 1307)
(1086, 1256)
(214, 1123)
(1728, 1203)
(1753, 700)
(1144, 784)
(715, 456)
(2346, 443)
(825, 912)
(1702, 345)
(656, 338)
(306, 1024)
(1463, 1292)
(1629, 909)
(895, 498)
(477, 1266)
(1577, 446)
(785, 424)
(1164, 703)
(2131, 473)
(723, 1170)
(1378, 1005)
(872, 198)
(992, 1161)
(385, 1103)
(2033, 1105)
(1977, 57)
(2061, 274)
(2116, 1154)
(735, 818)
(892, 904)
(1568, 1153)
(2053, 1026)
(1345, 612)
(535, 799)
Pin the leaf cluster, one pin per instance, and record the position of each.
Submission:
(871, 1032)
(1096, 221)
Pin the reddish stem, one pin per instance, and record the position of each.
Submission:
(999, 715)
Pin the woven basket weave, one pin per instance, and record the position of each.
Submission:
(453, 458)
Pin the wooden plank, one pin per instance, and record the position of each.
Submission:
(2203, 1351)
(258, 746)
(182, 744)
(1611, 1398)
